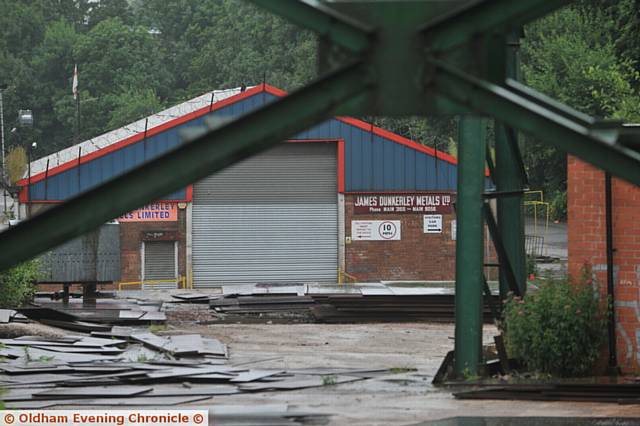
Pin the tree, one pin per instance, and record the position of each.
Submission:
(16, 163)
(571, 56)
(133, 105)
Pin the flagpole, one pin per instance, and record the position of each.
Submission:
(77, 136)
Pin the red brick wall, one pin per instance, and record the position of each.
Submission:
(131, 237)
(587, 244)
(417, 256)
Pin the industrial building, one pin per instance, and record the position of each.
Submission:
(342, 199)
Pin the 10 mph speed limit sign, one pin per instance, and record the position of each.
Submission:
(375, 230)
(388, 230)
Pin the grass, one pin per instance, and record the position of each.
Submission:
(329, 380)
(400, 370)
(157, 328)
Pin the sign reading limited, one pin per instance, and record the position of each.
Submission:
(156, 212)
(441, 203)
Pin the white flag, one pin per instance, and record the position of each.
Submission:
(74, 85)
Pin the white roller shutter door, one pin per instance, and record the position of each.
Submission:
(159, 260)
(270, 218)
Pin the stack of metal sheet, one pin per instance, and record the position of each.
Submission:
(622, 391)
(133, 367)
(368, 302)
(79, 316)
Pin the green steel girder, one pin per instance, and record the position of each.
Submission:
(549, 103)
(336, 27)
(469, 244)
(481, 17)
(596, 146)
(212, 151)
(515, 283)
(509, 175)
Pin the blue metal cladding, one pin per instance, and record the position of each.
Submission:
(372, 163)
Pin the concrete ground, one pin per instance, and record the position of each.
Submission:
(555, 246)
(400, 399)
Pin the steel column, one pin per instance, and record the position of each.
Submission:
(469, 246)
(509, 176)
(210, 151)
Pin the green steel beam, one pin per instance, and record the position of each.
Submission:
(476, 17)
(598, 147)
(512, 281)
(549, 103)
(509, 174)
(469, 246)
(194, 160)
(338, 28)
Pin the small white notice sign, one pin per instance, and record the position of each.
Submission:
(432, 224)
(454, 229)
(375, 230)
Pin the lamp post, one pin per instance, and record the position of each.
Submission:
(25, 119)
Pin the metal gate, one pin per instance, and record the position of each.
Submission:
(270, 218)
(93, 257)
(159, 263)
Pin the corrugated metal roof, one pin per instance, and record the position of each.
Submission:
(100, 142)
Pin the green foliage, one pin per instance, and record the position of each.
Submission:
(558, 206)
(328, 379)
(557, 329)
(574, 56)
(17, 285)
(532, 267)
(16, 161)
(157, 328)
(133, 105)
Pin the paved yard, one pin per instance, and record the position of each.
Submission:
(395, 400)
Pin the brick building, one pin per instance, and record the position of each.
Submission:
(342, 196)
(588, 244)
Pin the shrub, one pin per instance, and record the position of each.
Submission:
(17, 285)
(558, 329)
(558, 206)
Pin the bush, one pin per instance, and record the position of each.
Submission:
(532, 266)
(17, 285)
(557, 329)
(558, 206)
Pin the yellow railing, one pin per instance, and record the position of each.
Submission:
(344, 277)
(538, 203)
(181, 282)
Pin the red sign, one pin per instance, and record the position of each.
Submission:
(156, 212)
(435, 202)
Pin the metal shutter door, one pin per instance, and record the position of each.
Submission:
(272, 217)
(159, 260)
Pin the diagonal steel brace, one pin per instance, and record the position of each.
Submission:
(598, 147)
(476, 17)
(328, 23)
(503, 256)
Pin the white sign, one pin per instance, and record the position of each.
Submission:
(432, 224)
(375, 230)
(454, 229)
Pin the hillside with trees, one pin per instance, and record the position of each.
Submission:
(137, 57)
